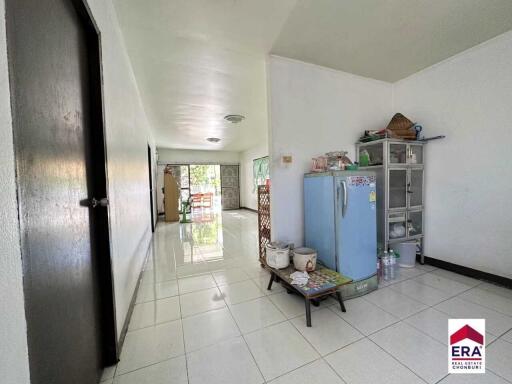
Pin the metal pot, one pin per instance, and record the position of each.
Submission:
(304, 259)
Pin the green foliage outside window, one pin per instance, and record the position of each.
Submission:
(205, 177)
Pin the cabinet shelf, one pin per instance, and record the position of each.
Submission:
(400, 189)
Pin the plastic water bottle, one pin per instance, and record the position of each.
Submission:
(379, 268)
(385, 266)
(394, 263)
(379, 264)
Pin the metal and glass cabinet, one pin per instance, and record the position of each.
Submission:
(399, 166)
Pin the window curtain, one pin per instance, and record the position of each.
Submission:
(260, 171)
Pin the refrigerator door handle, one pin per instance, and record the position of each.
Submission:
(345, 198)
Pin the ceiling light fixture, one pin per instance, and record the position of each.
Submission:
(213, 139)
(235, 119)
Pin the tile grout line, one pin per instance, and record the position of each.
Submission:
(485, 306)
(373, 332)
(413, 314)
(332, 368)
(289, 320)
(501, 377)
(286, 320)
(319, 353)
(432, 307)
(444, 377)
(428, 307)
(398, 361)
(150, 365)
(500, 338)
(328, 307)
(243, 337)
(183, 335)
(296, 369)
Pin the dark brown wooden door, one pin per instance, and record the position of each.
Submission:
(59, 155)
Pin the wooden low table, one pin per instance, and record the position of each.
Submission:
(322, 282)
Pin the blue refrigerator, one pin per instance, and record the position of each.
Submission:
(341, 225)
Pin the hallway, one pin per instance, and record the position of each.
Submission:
(203, 315)
(194, 274)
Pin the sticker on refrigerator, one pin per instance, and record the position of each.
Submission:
(373, 197)
(360, 181)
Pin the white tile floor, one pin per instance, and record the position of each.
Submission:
(203, 315)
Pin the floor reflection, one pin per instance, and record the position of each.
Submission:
(212, 241)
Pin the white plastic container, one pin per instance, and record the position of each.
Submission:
(304, 259)
(407, 253)
(277, 255)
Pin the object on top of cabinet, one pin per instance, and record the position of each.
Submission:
(337, 160)
(400, 127)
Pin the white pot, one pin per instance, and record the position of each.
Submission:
(304, 259)
(277, 257)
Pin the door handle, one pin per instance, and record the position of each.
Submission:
(94, 203)
(345, 198)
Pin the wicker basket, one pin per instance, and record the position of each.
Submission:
(400, 127)
(399, 123)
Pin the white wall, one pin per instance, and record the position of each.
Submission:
(159, 185)
(468, 174)
(249, 196)
(13, 329)
(127, 135)
(188, 156)
(314, 110)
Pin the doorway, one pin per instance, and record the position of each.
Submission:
(57, 108)
(205, 186)
(218, 180)
(230, 184)
(151, 191)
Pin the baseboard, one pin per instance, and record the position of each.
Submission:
(128, 317)
(470, 272)
(249, 209)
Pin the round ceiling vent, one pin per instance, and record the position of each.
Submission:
(234, 118)
(213, 139)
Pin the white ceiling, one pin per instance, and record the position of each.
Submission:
(388, 39)
(198, 60)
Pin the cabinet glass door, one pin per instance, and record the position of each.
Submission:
(415, 223)
(415, 154)
(375, 155)
(397, 188)
(397, 153)
(415, 189)
(397, 226)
